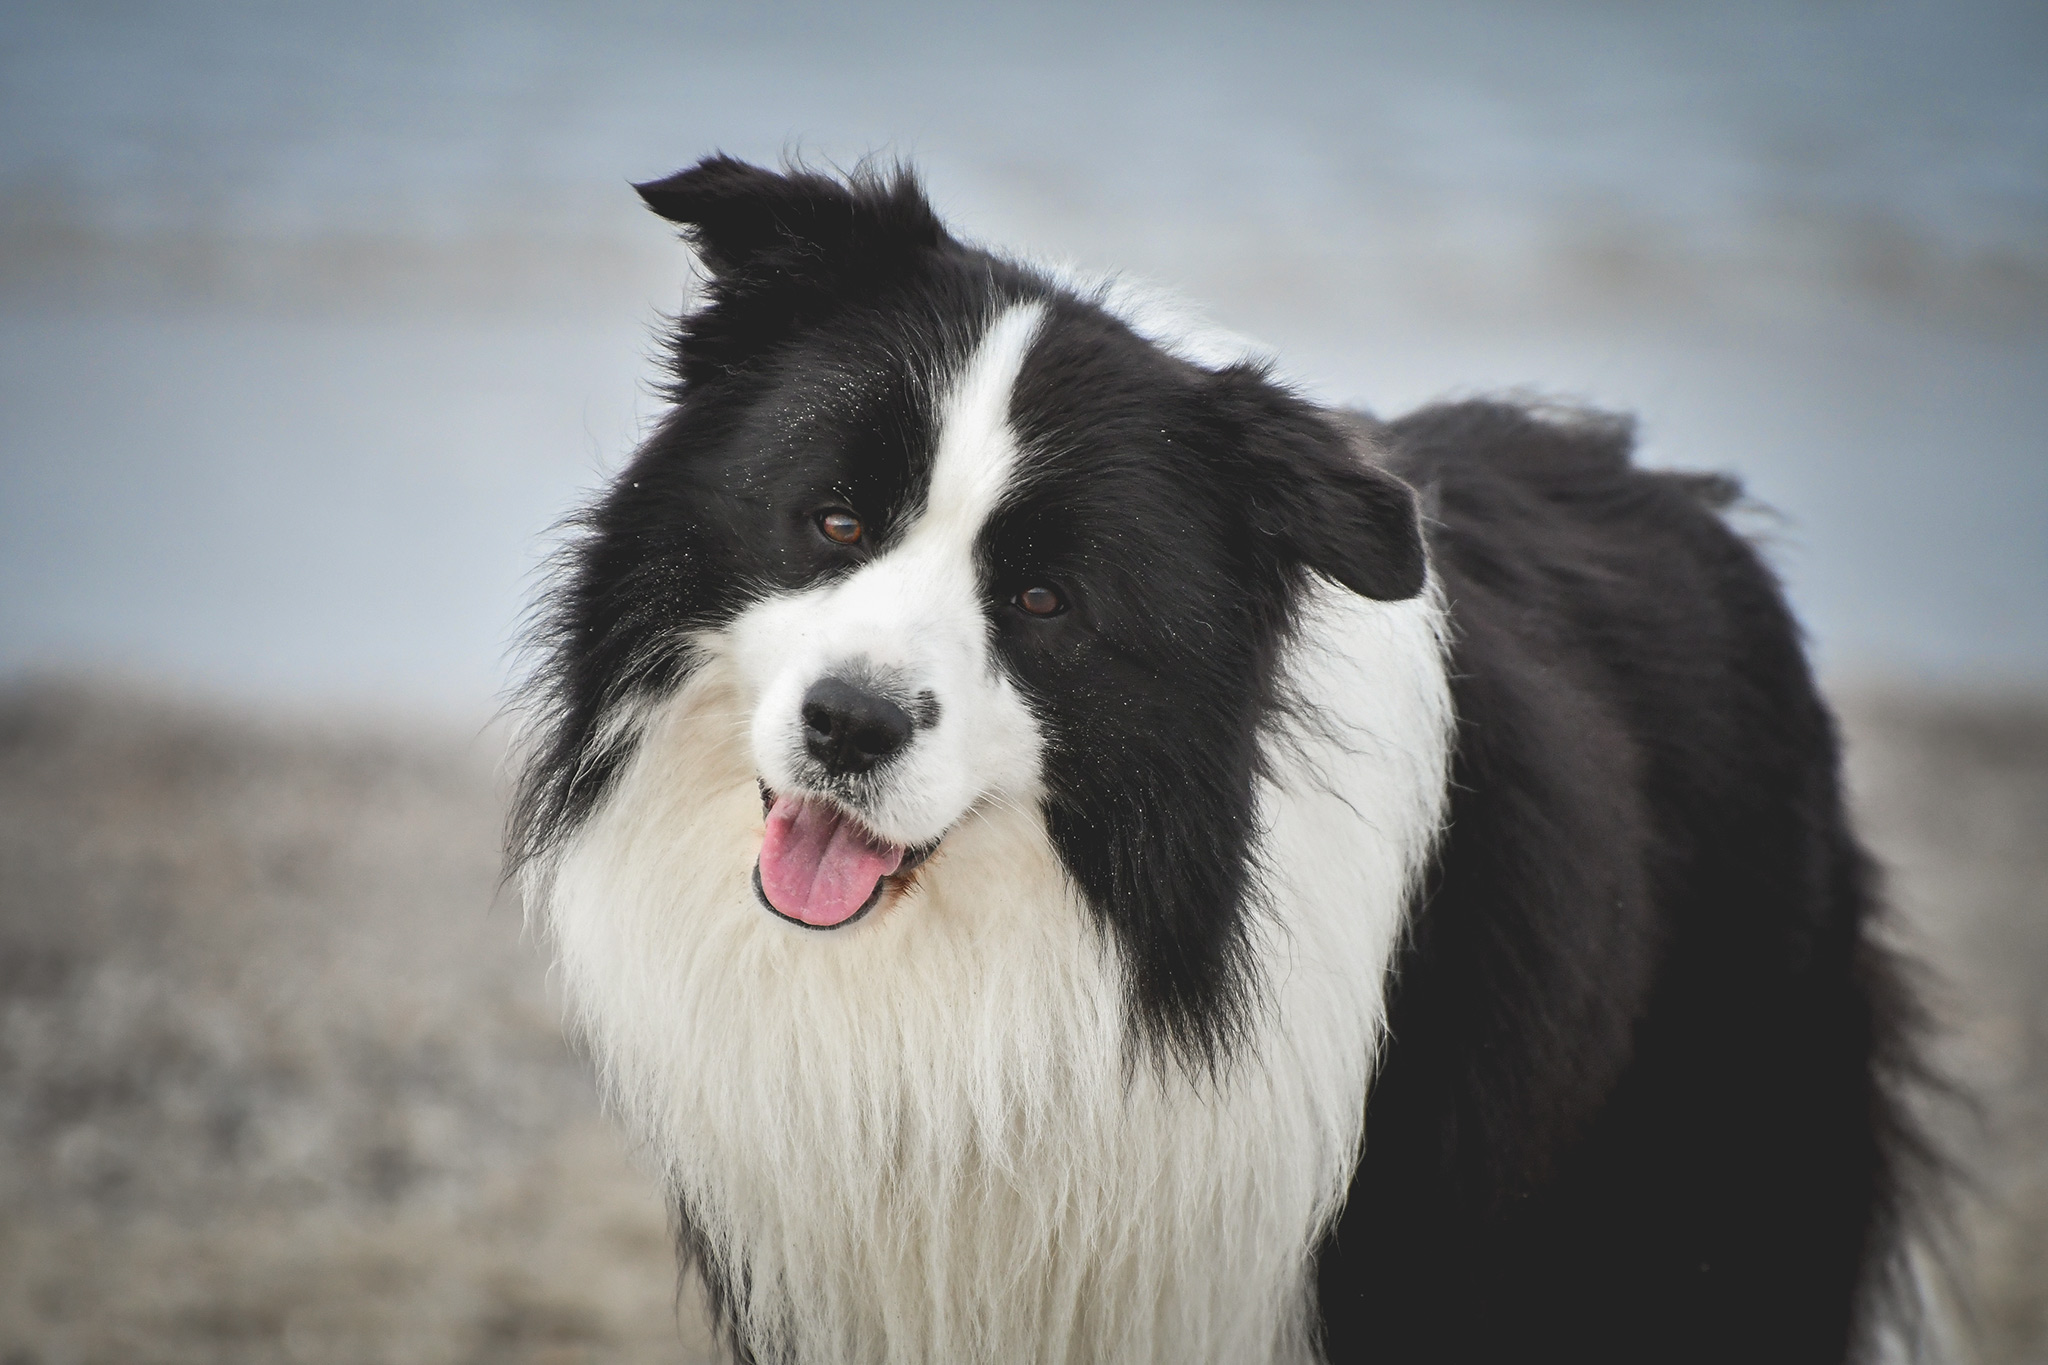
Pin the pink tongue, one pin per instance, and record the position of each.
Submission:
(819, 867)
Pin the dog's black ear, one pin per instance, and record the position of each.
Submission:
(737, 215)
(1309, 490)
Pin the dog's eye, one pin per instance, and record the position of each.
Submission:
(1041, 601)
(840, 526)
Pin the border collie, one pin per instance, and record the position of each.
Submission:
(1068, 851)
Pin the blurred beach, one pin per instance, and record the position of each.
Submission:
(281, 1080)
(316, 321)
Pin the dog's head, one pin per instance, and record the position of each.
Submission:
(968, 539)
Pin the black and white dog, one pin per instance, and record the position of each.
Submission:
(1069, 852)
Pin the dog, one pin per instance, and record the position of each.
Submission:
(1066, 850)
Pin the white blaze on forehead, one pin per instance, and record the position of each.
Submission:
(916, 615)
(976, 450)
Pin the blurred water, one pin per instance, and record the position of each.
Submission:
(314, 319)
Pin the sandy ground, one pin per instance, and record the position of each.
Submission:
(1953, 796)
(280, 1080)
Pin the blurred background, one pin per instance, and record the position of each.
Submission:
(315, 320)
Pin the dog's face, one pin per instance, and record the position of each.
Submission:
(880, 703)
(967, 540)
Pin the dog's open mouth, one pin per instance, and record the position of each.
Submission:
(821, 868)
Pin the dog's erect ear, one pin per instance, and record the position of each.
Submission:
(737, 214)
(1308, 489)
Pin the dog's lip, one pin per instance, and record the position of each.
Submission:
(913, 858)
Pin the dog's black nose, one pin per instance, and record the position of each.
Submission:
(850, 729)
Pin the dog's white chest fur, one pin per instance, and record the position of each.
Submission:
(924, 1137)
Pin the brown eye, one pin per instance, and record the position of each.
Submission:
(841, 526)
(1041, 602)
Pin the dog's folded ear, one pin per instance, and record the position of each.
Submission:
(739, 216)
(1308, 489)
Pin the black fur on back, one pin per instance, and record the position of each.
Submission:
(1639, 1103)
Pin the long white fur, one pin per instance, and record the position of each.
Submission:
(918, 1135)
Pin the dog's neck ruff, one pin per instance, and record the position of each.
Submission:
(924, 1138)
